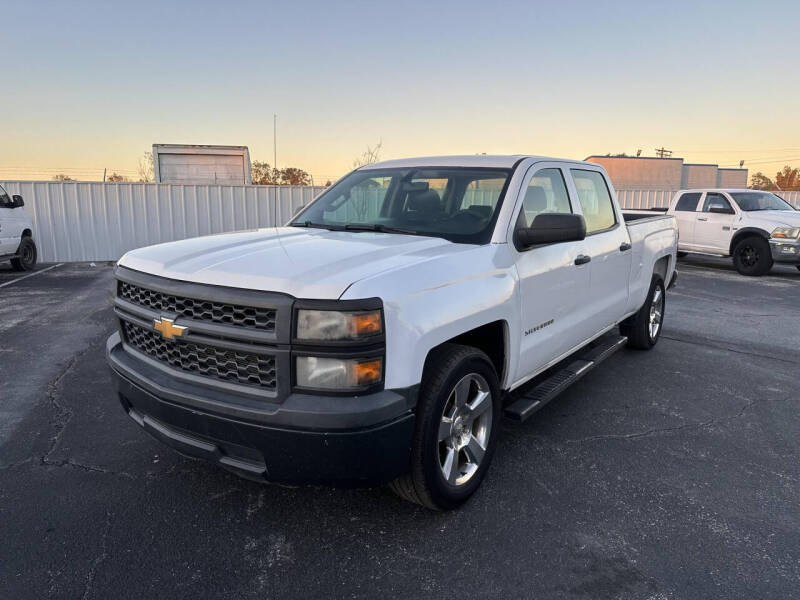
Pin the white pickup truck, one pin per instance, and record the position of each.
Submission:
(16, 233)
(383, 333)
(754, 227)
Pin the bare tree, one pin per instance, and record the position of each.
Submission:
(369, 156)
(145, 168)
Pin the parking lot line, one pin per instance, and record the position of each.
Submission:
(2, 285)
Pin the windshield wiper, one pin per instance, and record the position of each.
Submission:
(377, 227)
(317, 225)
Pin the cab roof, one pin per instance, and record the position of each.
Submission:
(496, 161)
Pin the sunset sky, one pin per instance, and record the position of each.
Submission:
(88, 85)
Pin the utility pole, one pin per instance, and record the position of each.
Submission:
(104, 174)
(663, 152)
(275, 141)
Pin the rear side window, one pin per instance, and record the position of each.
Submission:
(546, 193)
(5, 200)
(688, 202)
(595, 199)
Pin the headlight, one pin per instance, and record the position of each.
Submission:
(786, 233)
(327, 325)
(339, 374)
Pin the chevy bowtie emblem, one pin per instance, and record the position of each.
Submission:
(167, 328)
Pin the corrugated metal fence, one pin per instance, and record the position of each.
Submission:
(75, 221)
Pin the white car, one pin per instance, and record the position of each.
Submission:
(16, 233)
(383, 333)
(756, 228)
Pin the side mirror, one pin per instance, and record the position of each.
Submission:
(551, 228)
(16, 201)
(720, 209)
(298, 210)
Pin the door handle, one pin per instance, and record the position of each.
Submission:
(702, 218)
(582, 259)
(624, 247)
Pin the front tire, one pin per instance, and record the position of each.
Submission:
(752, 256)
(643, 329)
(26, 255)
(458, 420)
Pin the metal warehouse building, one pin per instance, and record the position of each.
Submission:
(651, 173)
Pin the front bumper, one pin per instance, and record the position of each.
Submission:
(344, 440)
(785, 251)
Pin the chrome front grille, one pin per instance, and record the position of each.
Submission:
(246, 368)
(249, 317)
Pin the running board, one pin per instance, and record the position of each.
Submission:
(543, 392)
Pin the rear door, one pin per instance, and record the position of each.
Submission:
(8, 225)
(608, 245)
(553, 289)
(712, 231)
(686, 216)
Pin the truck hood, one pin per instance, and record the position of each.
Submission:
(306, 263)
(770, 219)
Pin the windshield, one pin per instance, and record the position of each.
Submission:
(458, 204)
(749, 201)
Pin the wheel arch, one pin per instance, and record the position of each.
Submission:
(661, 267)
(747, 232)
(492, 339)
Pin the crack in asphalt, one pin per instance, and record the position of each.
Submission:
(722, 346)
(658, 430)
(99, 559)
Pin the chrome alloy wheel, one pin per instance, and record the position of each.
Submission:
(656, 312)
(464, 429)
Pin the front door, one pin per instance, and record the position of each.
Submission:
(712, 231)
(553, 289)
(8, 225)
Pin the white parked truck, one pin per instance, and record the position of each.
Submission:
(16, 233)
(383, 333)
(755, 228)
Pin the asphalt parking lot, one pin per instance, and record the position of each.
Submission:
(668, 474)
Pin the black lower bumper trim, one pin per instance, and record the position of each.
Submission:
(370, 455)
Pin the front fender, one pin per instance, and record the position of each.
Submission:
(430, 303)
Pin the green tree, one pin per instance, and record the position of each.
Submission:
(115, 178)
(788, 179)
(294, 176)
(759, 181)
(263, 174)
(62, 177)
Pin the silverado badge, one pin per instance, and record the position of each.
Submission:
(167, 328)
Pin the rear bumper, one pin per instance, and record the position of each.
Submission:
(784, 251)
(304, 439)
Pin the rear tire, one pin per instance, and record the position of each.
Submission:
(644, 328)
(26, 255)
(752, 256)
(458, 421)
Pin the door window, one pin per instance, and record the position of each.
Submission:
(595, 199)
(5, 199)
(712, 198)
(546, 193)
(688, 202)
